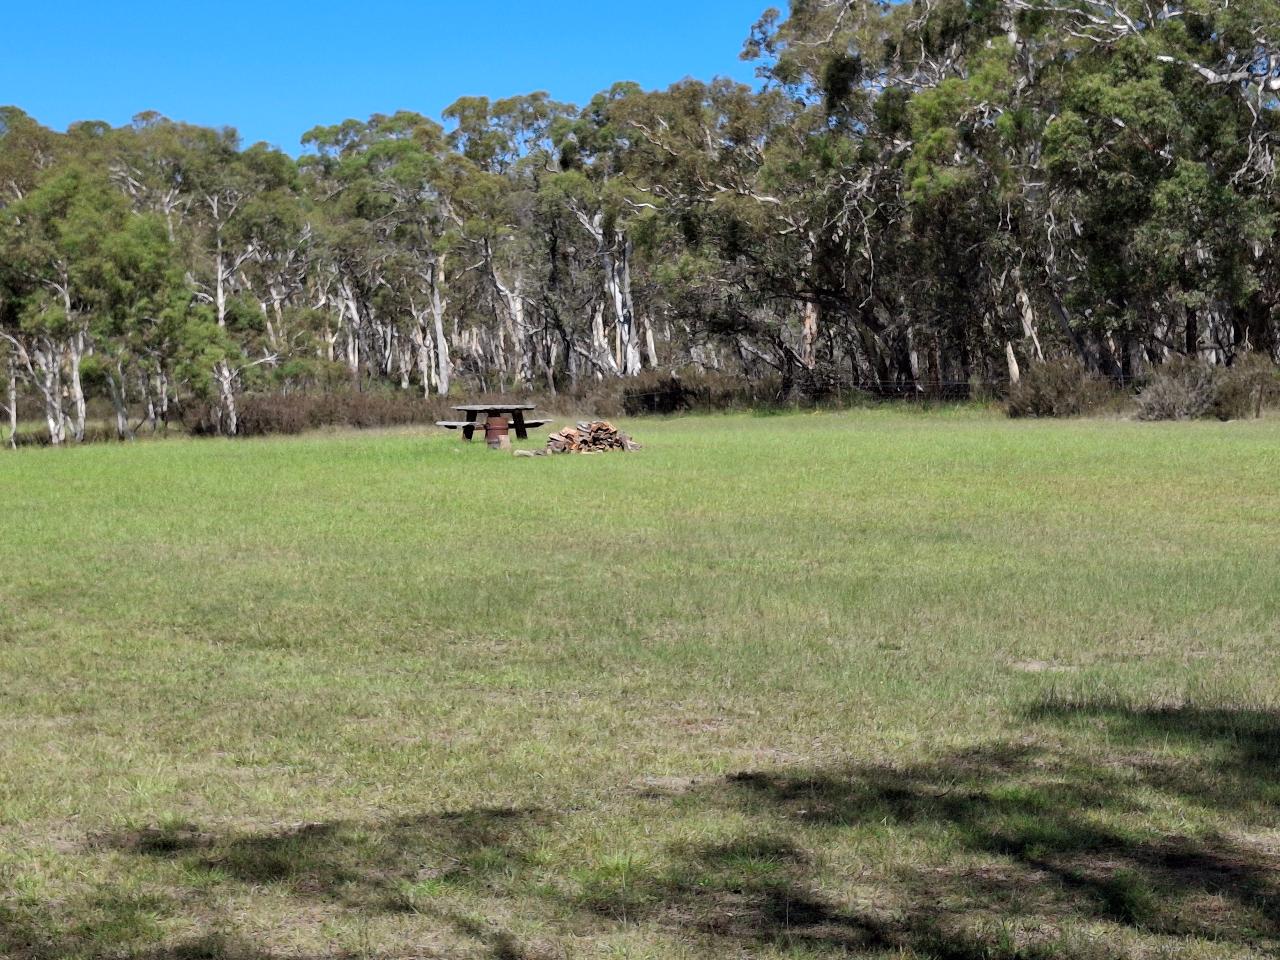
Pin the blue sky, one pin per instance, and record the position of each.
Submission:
(275, 68)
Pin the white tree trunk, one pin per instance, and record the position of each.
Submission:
(229, 421)
(1027, 315)
(116, 387)
(650, 347)
(351, 310)
(76, 347)
(913, 358)
(436, 281)
(12, 406)
(45, 369)
(811, 319)
(220, 284)
(422, 345)
(618, 285)
(601, 356)
(275, 330)
(512, 294)
(811, 314)
(162, 389)
(223, 375)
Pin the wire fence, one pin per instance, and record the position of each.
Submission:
(681, 396)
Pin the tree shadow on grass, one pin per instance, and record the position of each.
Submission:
(357, 864)
(357, 868)
(1227, 759)
(111, 928)
(1052, 846)
(1043, 842)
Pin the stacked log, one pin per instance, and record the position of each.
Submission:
(596, 436)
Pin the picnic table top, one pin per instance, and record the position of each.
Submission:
(487, 407)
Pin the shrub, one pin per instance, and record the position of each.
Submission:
(668, 395)
(266, 413)
(1182, 389)
(1246, 387)
(1185, 389)
(1059, 388)
(674, 392)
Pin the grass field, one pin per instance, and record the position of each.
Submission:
(888, 683)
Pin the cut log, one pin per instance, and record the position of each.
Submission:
(597, 436)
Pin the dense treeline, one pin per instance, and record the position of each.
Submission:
(917, 194)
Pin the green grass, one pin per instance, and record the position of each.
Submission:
(883, 683)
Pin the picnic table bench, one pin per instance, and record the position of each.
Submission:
(508, 413)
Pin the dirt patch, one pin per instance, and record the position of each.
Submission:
(1042, 666)
(665, 786)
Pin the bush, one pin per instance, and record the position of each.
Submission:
(671, 392)
(1186, 389)
(667, 395)
(1246, 387)
(1182, 389)
(266, 413)
(1059, 388)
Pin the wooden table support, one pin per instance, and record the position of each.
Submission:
(509, 413)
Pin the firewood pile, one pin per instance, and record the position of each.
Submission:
(598, 436)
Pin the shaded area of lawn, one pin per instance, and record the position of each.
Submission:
(1044, 847)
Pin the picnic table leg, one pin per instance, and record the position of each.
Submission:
(470, 428)
(521, 431)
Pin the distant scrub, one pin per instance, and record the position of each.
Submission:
(1059, 388)
(290, 413)
(1246, 388)
(1179, 390)
(1190, 389)
(268, 413)
(671, 393)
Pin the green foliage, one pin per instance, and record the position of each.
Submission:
(199, 346)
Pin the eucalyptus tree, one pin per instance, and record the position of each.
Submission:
(140, 284)
(386, 187)
(711, 222)
(1032, 142)
(508, 152)
(55, 245)
(202, 185)
(9, 356)
(27, 151)
(593, 184)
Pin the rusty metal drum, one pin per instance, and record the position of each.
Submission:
(497, 432)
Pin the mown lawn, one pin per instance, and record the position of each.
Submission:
(881, 683)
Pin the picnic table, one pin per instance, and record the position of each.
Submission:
(498, 417)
